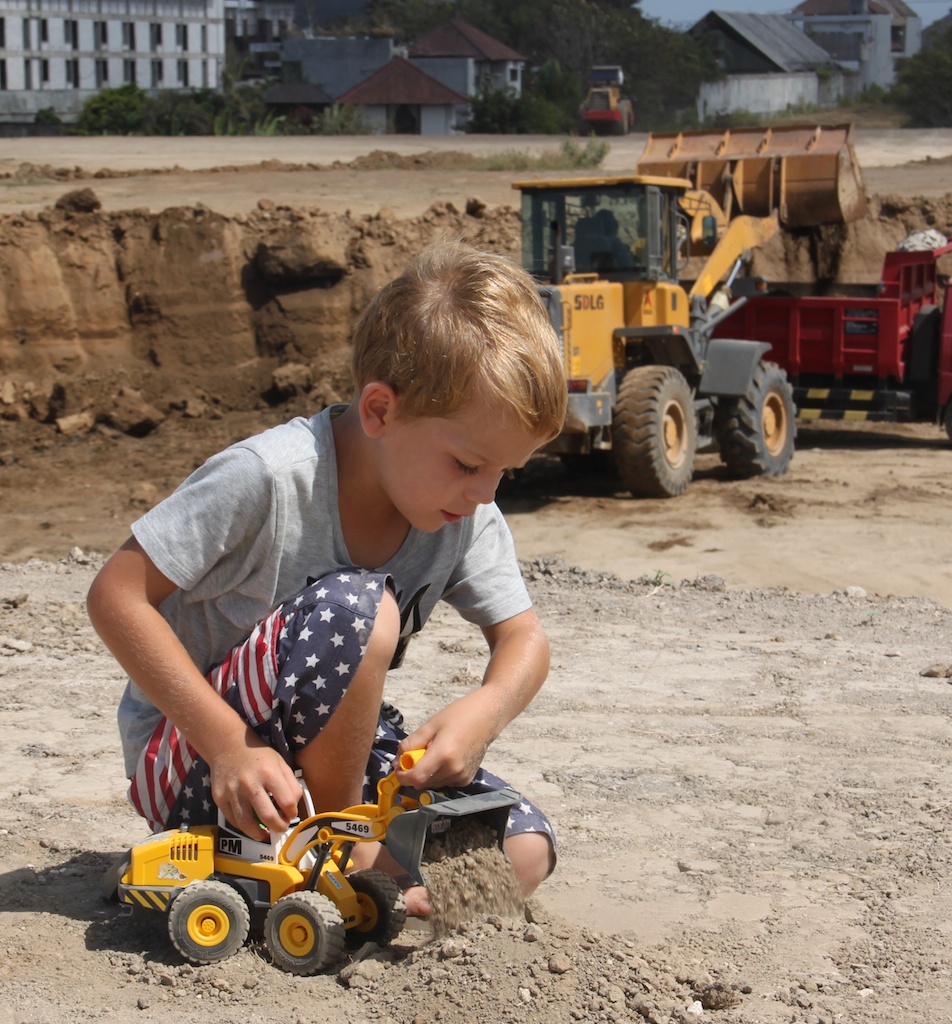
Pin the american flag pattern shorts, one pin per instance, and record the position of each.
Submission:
(286, 680)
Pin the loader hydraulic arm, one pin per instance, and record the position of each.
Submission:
(741, 234)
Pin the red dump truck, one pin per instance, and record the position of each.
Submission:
(886, 356)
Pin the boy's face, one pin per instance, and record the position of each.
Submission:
(437, 470)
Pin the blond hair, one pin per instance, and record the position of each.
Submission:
(461, 324)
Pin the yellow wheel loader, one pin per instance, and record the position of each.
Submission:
(217, 885)
(638, 270)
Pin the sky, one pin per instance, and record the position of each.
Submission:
(682, 14)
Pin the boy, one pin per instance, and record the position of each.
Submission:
(258, 608)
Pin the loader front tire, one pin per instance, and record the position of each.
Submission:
(382, 908)
(304, 932)
(756, 433)
(208, 921)
(654, 432)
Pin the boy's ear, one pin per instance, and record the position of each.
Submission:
(378, 407)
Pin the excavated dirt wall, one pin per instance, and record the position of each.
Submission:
(126, 316)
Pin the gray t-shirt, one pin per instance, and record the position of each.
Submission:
(250, 527)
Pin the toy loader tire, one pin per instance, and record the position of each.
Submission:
(382, 906)
(304, 932)
(654, 432)
(208, 921)
(756, 433)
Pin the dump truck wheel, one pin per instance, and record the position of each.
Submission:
(756, 433)
(381, 904)
(304, 932)
(208, 921)
(654, 432)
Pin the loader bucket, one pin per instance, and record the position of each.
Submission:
(407, 833)
(807, 174)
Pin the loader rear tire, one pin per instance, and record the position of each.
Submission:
(654, 432)
(381, 905)
(756, 433)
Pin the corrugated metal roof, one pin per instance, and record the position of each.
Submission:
(402, 82)
(840, 8)
(304, 93)
(777, 39)
(457, 38)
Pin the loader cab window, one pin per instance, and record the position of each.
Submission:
(611, 230)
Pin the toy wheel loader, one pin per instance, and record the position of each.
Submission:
(218, 885)
(647, 379)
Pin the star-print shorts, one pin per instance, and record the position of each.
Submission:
(286, 680)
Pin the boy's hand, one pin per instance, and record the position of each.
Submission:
(253, 786)
(455, 740)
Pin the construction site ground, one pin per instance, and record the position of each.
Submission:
(744, 740)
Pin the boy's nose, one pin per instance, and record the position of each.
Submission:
(481, 489)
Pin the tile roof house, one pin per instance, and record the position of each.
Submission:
(769, 66)
(401, 98)
(467, 59)
(865, 36)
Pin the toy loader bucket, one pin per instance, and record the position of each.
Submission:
(407, 833)
(807, 174)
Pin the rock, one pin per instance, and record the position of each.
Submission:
(77, 423)
(82, 200)
(292, 379)
(143, 495)
(132, 414)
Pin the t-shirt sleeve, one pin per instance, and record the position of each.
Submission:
(486, 586)
(225, 509)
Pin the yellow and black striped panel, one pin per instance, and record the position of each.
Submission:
(152, 898)
(855, 404)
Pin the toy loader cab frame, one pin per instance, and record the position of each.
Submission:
(646, 378)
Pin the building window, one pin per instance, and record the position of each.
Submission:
(183, 73)
(26, 34)
(129, 72)
(27, 74)
(204, 74)
(44, 30)
(155, 36)
(204, 39)
(72, 74)
(3, 33)
(181, 37)
(71, 34)
(156, 74)
(3, 75)
(44, 72)
(100, 35)
(128, 35)
(102, 73)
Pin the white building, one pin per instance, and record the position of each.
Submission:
(58, 53)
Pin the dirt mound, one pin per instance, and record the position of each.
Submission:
(187, 311)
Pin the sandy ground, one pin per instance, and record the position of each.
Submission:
(743, 743)
(226, 173)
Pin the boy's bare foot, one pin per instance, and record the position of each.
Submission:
(377, 856)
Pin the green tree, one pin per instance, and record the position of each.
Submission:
(113, 112)
(923, 87)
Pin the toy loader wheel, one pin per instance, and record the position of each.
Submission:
(381, 904)
(654, 432)
(304, 932)
(208, 921)
(756, 433)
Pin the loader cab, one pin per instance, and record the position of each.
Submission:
(622, 229)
